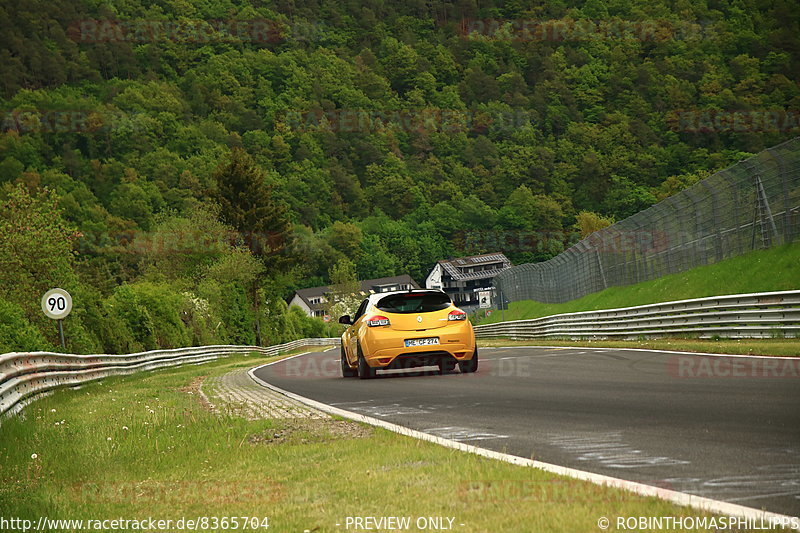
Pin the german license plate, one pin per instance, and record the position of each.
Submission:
(422, 342)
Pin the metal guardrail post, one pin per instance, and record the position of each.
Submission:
(755, 315)
(24, 376)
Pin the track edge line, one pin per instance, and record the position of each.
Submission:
(700, 503)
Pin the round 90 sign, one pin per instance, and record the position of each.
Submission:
(56, 303)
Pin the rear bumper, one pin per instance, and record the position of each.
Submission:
(386, 348)
(414, 360)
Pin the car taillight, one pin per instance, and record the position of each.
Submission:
(457, 314)
(377, 321)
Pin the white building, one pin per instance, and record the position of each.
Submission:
(460, 277)
(312, 300)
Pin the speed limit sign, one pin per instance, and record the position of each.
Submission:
(56, 303)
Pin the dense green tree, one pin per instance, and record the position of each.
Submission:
(136, 202)
(344, 295)
(35, 249)
(346, 237)
(588, 222)
(17, 334)
(247, 203)
(380, 134)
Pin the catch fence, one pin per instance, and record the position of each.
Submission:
(751, 205)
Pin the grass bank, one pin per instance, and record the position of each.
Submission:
(776, 269)
(145, 446)
(779, 347)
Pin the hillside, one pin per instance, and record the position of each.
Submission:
(204, 159)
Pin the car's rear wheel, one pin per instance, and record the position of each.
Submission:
(471, 365)
(446, 365)
(364, 370)
(347, 372)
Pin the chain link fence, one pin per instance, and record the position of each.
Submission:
(752, 205)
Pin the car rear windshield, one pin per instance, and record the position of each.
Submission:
(411, 302)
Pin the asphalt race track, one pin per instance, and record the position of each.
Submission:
(720, 427)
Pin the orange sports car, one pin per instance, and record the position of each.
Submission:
(405, 330)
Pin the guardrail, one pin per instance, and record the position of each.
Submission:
(757, 315)
(26, 375)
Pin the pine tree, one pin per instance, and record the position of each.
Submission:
(247, 204)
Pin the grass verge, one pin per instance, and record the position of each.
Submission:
(775, 269)
(780, 347)
(143, 446)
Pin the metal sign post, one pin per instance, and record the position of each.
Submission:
(57, 304)
(502, 304)
(61, 334)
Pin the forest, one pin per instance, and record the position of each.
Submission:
(182, 167)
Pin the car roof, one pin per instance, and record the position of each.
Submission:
(373, 298)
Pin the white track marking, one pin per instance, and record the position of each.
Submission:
(461, 434)
(609, 450)
(391, 409)
(533, 356)
(768, 481)
(680, 498)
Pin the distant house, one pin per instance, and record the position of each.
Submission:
(460, 277)
(313, 300)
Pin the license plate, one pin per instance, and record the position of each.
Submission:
(422, 342)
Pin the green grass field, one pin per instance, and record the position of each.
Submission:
(776, 269)
(144, 446)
